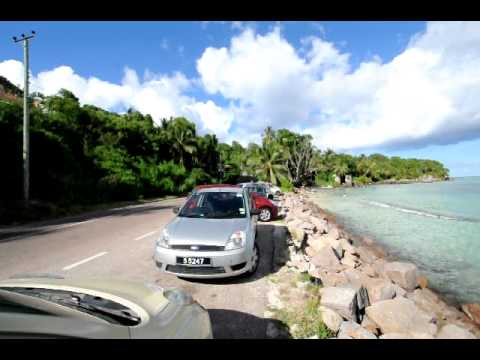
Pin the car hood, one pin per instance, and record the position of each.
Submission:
(136, 295)
(199, 231)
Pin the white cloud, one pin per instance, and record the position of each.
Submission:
(427, 94)
(13, 71)
(161, 96)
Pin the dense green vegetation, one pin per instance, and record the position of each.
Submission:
(86, 155)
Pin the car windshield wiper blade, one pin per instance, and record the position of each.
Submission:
(77, 300)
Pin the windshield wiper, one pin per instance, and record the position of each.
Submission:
(82, 302)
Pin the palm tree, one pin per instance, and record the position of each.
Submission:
(268, 162)
(181, 135)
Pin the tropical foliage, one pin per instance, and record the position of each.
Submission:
(84, 154)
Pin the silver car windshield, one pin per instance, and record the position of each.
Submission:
(215, 205)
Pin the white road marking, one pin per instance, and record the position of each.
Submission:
(144, 236)
(84, 261)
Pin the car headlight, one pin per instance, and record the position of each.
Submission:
(236, 241)
(163, 240)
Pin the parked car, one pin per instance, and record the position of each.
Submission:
(268, 208)
(46, 307)
(212, 236)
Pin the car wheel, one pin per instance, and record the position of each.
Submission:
(255, 260)
(265, 214)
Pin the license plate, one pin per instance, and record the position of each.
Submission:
(193, 261)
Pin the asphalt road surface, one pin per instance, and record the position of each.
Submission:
(119, 244)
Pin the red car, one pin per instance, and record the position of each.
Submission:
(268, 210)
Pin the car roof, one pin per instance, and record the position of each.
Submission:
(218, 188)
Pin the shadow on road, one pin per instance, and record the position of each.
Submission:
(230, 324)
(51, 226)
(272, 243)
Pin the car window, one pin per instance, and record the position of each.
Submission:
(215, 205)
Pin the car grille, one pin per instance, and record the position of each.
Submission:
(198, 270)
(200, 247)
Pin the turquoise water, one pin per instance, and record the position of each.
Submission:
(434, 225)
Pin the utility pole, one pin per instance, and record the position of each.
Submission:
(26, 123)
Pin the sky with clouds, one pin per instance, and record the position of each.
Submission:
(410, 89)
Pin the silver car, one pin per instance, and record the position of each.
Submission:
(212, 236)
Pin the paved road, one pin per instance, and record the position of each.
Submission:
(119, 244)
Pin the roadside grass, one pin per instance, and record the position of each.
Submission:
(306, 322)
(303, 320)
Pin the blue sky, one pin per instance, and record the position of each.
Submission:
(236, 78)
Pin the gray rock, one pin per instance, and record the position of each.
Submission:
(402, 273)
(341, 299)
(350, 260)
(326, 259)
(452, 331)
(400, 315)
(321, 225)
(379, 289)
(347, 246)
(366, 254)
(355, 331)
(331, 319)
(329, 278)
(333, 231)
(399, 291)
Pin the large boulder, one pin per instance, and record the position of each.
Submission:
(429, 302)
(350, 260)
(321, 226)
(297, 234)
(402, 273)
(366, 254)
(473, 312)
(341, 299)
(333, 231)
(347, 246)
(379, 289)
(355, 331)
(371, 326)
(400, 315)
(331, 319)
(399, 291)
(328, 278)
(451, 331)
(326, 259)
(317, 243)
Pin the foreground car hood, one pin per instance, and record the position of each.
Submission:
(199, 231)
(139, 296)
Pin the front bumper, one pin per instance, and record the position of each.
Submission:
(223, 263)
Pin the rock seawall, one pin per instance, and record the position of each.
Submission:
(363, 294)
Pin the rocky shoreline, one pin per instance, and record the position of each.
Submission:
(363, 294)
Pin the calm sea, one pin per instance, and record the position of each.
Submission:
(434, 225)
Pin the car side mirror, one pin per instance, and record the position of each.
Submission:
(270, 196)
(176, 209)
(255, 212)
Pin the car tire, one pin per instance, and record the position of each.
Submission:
(265, 214)
(256, 255)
